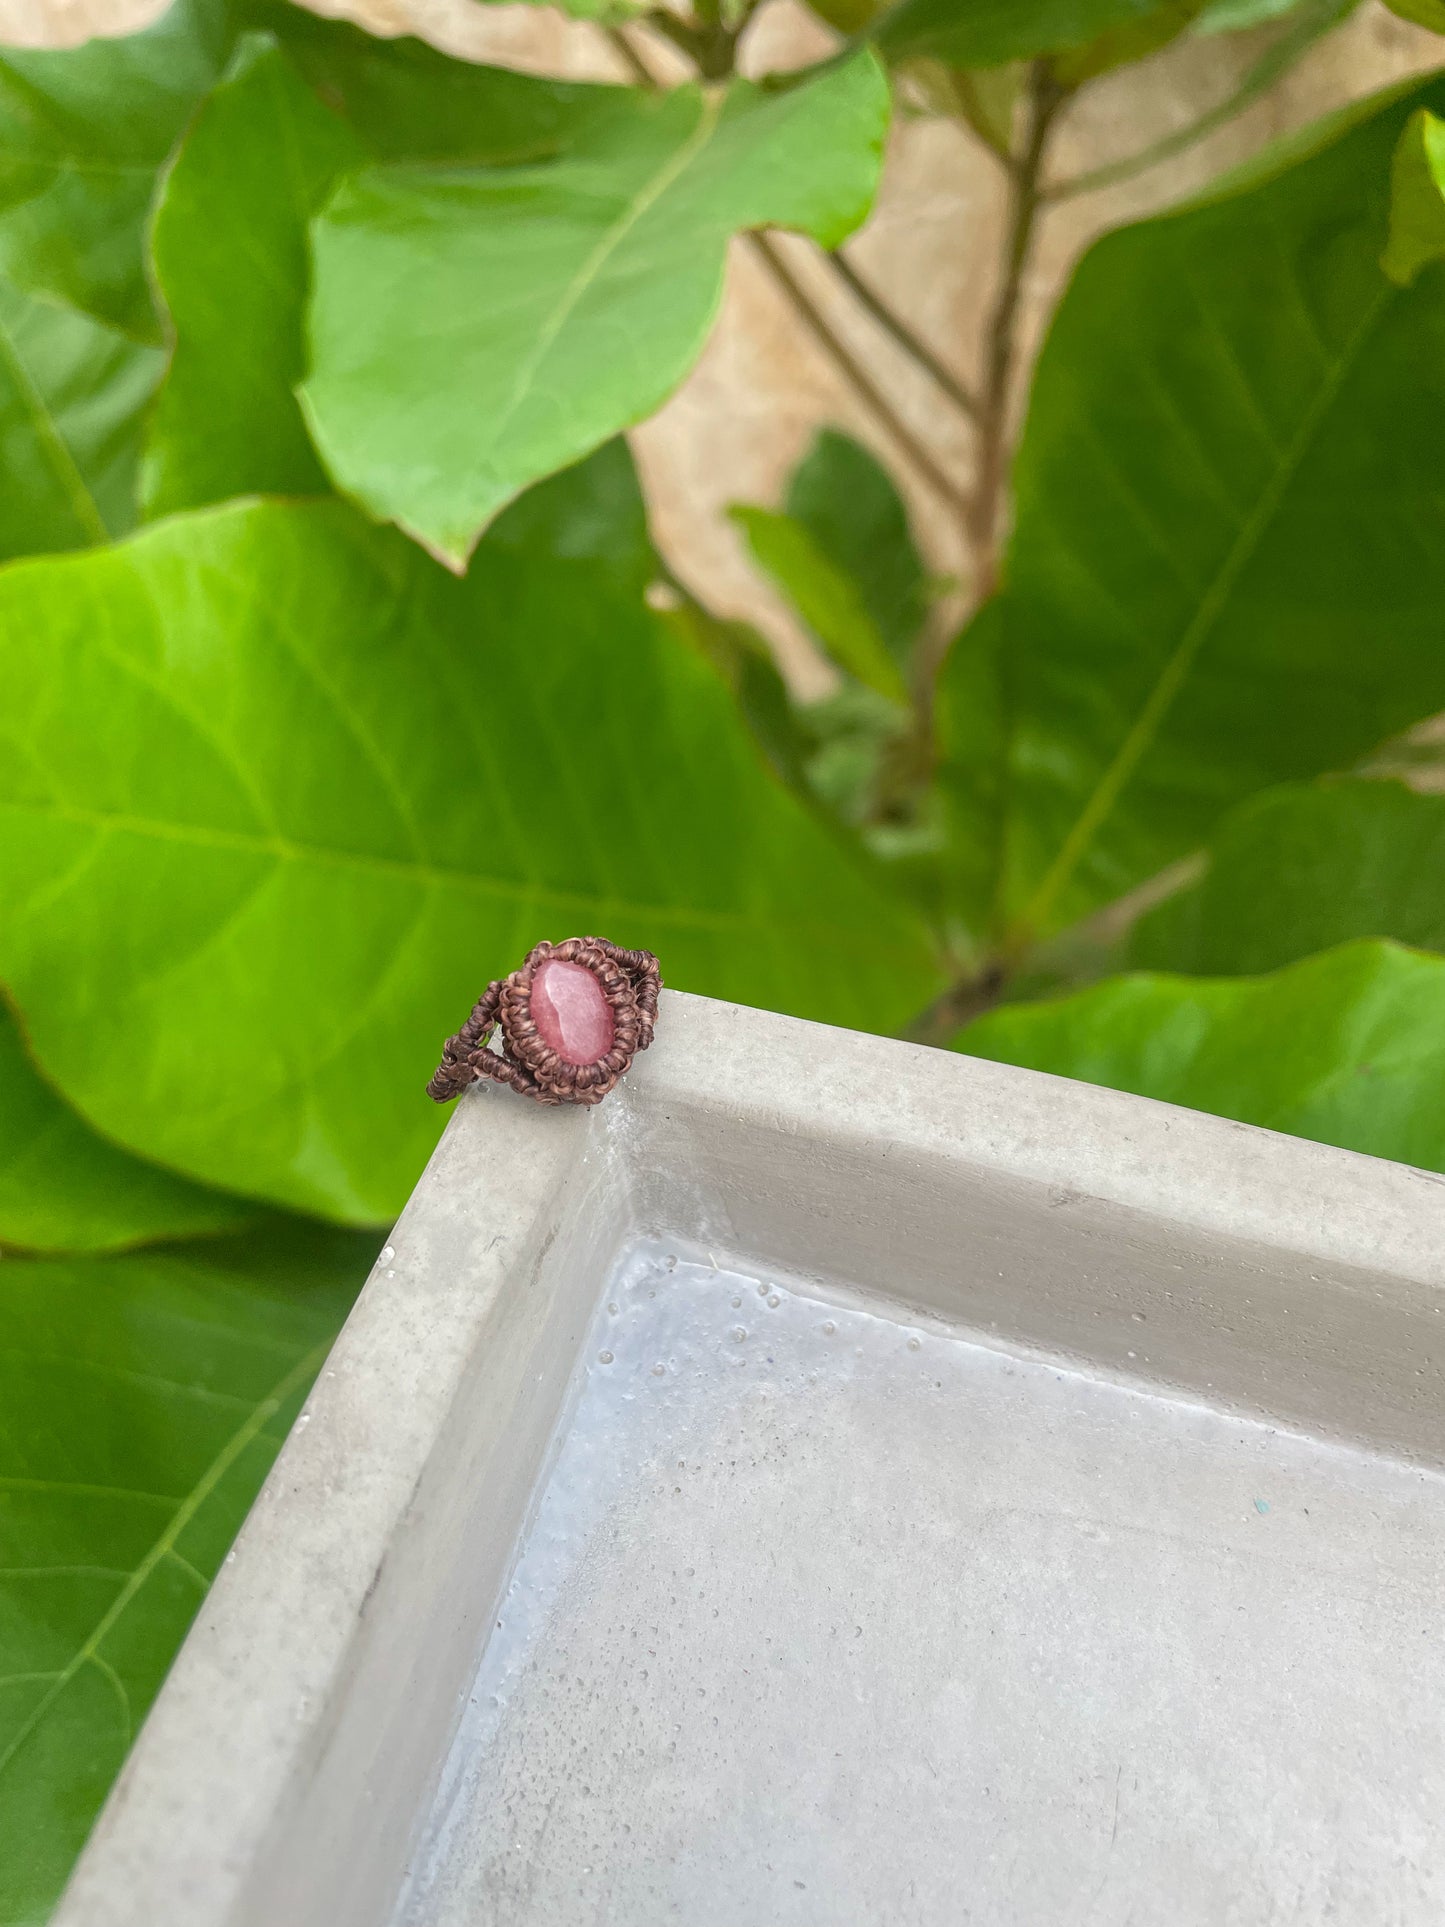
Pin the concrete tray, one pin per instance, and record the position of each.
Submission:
(836, 1482)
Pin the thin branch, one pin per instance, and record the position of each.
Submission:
(904, 335)
(1271, 66)
(985, 510)
(632, 59)
(867, 389)
(947, 1015)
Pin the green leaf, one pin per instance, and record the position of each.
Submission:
(1347, 1048)
(846, 501)
(63, 1188)
(405, 101)
(824, 595)
(592, 512)
(144, 1399)
(1301, 869)
(1238, 16)
(82, 135)
(848, 16)
(1229, 551)
(472, 332)
(316, 792)
(986, 33)
(1421, 13)
(1130, 41)
(1417, 209)
(72, 399)
(229, 246)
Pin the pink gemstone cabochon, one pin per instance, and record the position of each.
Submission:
(572, 1016)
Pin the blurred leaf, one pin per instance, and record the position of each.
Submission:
(986, 33)
(1132, 40)
(971, 726)
(849, 17)
(825, 597)
(591, 512)
(1313, 19)
(471, 333)
(1229, 551)
(985, 98)
(317, 792)
(1301, 869)
(62, 1188)
(848, 734)
(785, 732)
(1238, 16)
(73, 394)
(144, 1400)
(846, 501)
(229, 245)
(1347, 1048)
(1417, 207)
(82, 134)
(1422, 13)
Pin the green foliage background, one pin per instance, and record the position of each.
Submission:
(338, 667)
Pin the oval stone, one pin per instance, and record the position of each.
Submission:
(572, 1016)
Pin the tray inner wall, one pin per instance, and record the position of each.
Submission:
(831, 1612)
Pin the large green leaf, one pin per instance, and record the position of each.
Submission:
(1304, 868)
(1348, 1047)
(473, 331)
(846, 500)
(229, 246)
(82, 134)
(143, 1401)
(405, 101)
(316, 791)
(986, 33)
(72, 397)
(1229, 558)
(62, 1188)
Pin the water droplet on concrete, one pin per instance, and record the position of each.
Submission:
(828, 1328)
(739, 1333)
(604, 1358)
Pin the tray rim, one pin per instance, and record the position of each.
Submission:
(259, 1684)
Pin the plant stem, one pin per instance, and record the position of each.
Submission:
(983, 515)
(904, 335)
(867, 389)
(710, 46)
(983, 519)
(632, 59)
(970, 997)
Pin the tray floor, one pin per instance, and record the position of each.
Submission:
(827, 1617)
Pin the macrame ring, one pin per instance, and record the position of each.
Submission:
(629, 982)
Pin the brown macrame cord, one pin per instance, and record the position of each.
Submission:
(629, 981)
